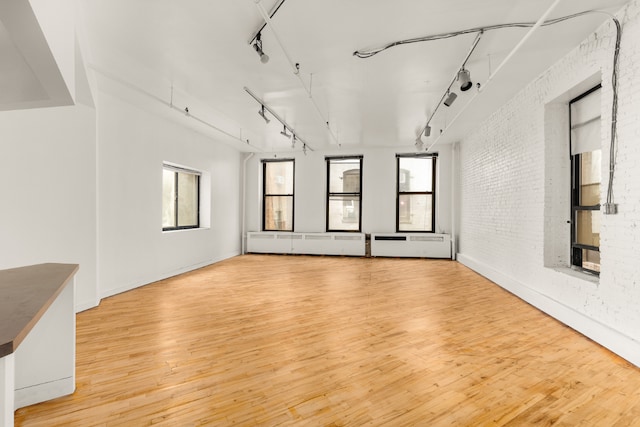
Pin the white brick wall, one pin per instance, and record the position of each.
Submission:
(510, 222)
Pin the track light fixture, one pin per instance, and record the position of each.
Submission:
(287, 130)
(464, 77)
(264, 58)
(261, 112)
(451, 96)
(427, 131)
(284, 132)
(419, 144)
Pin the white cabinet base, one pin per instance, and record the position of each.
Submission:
(45, 360)
(7, 386)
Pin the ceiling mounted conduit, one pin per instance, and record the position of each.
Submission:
(462, 73)
(174, 107)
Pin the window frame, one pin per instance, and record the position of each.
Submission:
(177, 170)
(576, 248)
(265, 195)
(328, 160)
(433, 157)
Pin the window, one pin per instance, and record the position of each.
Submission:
(278, 186)
(586, 168)
(415, 207)
(180, 198)
(344, 185)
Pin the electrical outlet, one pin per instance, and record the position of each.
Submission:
(610, 209)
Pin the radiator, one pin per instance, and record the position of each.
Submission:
(306, 243)
(411, 245)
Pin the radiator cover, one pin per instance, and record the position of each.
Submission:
(414, 245)
(275, 242)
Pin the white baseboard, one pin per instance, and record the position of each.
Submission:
(619, 343)
(86, 305)
(43, 392)
(138, 283)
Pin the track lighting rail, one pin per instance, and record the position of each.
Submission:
(455, 77)
(539, 23)
(272, 12)
(294, 135)
(295, 66)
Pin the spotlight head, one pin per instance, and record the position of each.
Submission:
(427, 131)
(264, 58)
(293, 141)
(465, 79)
(284, 132)
(450, 98)
(261, 113)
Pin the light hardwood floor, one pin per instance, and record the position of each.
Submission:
(329, 341)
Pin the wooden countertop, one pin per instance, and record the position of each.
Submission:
(25, 295)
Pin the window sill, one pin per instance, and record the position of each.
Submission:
(592, 278)
(184, 230)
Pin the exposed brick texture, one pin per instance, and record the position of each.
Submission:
(512, 199)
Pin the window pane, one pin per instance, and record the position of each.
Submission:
(344, 176)
(590, 178)
(414, 212)
(279, 177)
(588, 228)
(168, 198)
(416, 174)
(187, 199)
(591, 260)
(344, 213)
(278, 213)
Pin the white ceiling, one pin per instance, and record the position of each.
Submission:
(201, 49)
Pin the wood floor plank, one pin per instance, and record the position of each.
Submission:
(277, 340)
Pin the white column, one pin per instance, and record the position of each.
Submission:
(7, 387)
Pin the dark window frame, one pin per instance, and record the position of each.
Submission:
(330, 194)
(576, 207)
(265, 195)
(433, 157)
(177, 171)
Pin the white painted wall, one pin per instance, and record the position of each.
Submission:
(48, 182)
(132, 249)
(83, 185)
(509, 195)
(378, 189)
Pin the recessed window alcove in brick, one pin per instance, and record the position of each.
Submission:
(557, 161)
